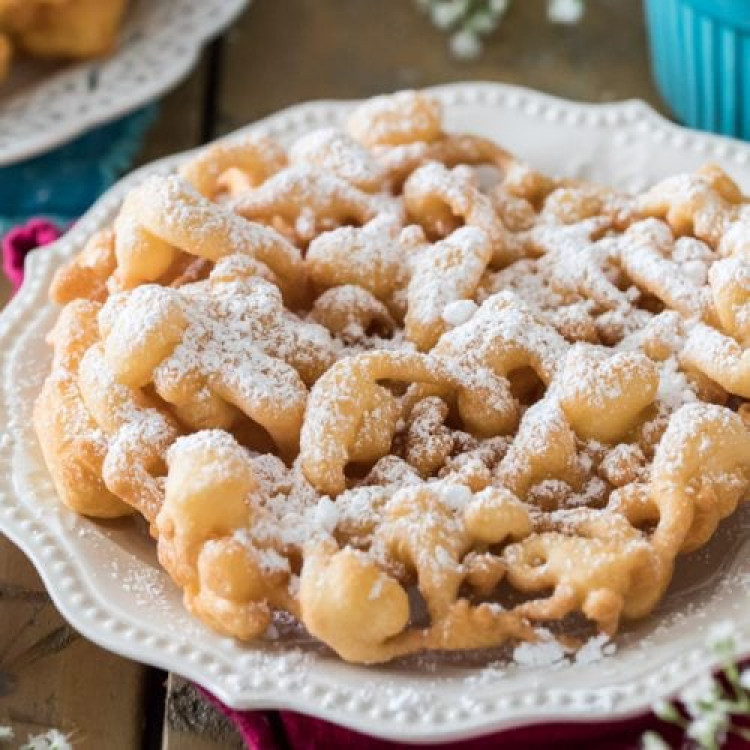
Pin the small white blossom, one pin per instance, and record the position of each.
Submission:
(6, 734)
(567, 12)
(465, 45)
(705, 691)
(709, 730)
(448, 13)
(709, 706)
(498, 7)
(469, 19)
(666, 710)
(721, 636)
(481, 23)
(652, 741)
(52, 740)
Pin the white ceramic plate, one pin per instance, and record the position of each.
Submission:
(43, 105)
(104, 578)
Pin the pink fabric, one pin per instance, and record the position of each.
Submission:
(280, 730)
(19, 241)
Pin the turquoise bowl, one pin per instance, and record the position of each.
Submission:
(700, 55)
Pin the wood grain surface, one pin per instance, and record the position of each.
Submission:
(279, 53)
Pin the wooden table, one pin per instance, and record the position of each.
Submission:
(279, 53)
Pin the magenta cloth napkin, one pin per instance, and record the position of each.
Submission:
(22, 240)
(281, 730)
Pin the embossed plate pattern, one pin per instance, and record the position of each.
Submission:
(104, 578)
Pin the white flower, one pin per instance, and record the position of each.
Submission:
(52, 740)
(565, 11)
(498, 7)
(481, 23)
(666, 710)
(745, 679)
(652, 741)
(721, 636)
(6, 734)
(705, 691)
(448, 13)
(465, 45)
(709, 729)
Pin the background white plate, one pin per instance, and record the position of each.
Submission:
(44, 104)
(104, 578)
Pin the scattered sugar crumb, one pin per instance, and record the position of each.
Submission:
(543, 653)
(595, 649)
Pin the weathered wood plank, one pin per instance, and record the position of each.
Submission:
(180, 124)
(50, 677)
(281, 53)
(4, 291)
(191, 723)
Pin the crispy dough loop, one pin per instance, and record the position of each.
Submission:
(441, 200)
(448, 271)
(256, 157)
(365, 257)
(351, 312)
(603, 397)
(306, 201)
(85, 275)
(229, 578)
(719, 357)
(333, 151)
(449, 149)
(428, 441)
(606, 581)
(73, 446)
(138, 433)
(700, 472)
(729, 279)
(502, 336)
(707, 204)
(165, 214)
(647, 245)
(406, 117)
(206, 354)
(363, 612)
(340, 402)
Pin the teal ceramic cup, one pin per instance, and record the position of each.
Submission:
(700, 54)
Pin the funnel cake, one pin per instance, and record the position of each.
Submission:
(66, 29)
(399, 385)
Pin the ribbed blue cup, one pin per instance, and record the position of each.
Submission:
(700, 55)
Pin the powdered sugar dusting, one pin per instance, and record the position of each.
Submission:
(473, 462)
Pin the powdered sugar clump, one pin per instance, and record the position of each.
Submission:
(595, 649)
(544, 653)
(459, 311)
